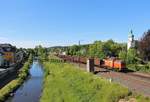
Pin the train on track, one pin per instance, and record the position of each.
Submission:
(109, 63)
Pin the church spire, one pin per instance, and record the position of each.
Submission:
(131, 41)
(131, 33)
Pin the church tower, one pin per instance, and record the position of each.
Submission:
(131, 41)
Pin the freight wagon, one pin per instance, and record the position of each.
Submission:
(109, 63)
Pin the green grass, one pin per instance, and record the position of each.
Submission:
(14, 84)
(139, 98)
(65, 83)
(142, 99)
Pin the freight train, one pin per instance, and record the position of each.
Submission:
(109, 63)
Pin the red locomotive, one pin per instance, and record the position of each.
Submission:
(111, 63)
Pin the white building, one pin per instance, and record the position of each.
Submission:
(63, 53)
(131, 41)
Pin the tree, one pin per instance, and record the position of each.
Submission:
(97, 50)
(144, 46)
(112, 48)
(74, 50)
(108, 46)
(41, 52)
(131, 56)
(123, 55)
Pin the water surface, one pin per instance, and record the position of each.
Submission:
(31, 89)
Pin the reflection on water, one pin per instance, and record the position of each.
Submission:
(31, 90)
(36, 70)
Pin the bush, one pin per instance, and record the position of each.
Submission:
(131, 55)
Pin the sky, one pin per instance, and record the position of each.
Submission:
(27, 23)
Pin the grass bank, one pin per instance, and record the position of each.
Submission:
(14, 84)
(65, 83)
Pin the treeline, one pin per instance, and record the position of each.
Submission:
(98, 49)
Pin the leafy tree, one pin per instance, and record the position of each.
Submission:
(74, 50)
(112, 48)
(41, 52)
(144, 46)
(131, 56)
(97, 50)
(123, 55)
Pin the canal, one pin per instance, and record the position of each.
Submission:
(31, 89)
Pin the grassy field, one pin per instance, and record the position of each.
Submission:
(65, 83)
(14, 84)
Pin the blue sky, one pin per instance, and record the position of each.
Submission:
(26, 23)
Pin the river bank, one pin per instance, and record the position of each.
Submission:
(14, 84)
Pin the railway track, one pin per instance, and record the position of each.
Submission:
(135, 82)
(147, 77)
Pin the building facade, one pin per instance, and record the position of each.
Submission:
(9, 52)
